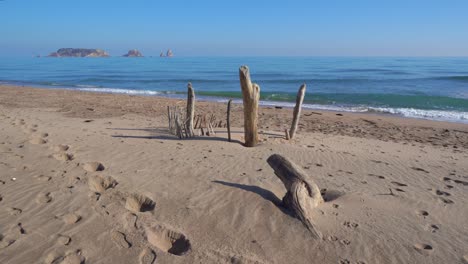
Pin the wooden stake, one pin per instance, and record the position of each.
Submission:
(169, 118)
(250, 96)
(297, 110)
(228, 119)
(286, 134)
(302, 195)
(190, 109)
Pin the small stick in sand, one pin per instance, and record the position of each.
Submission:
(286, 134)
(302, 195)
(228, 119)
(250, 96)
(297, 111)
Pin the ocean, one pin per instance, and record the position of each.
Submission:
(429, 88)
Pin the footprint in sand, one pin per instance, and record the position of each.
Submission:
(345, 242)
(447, 179)
(130, 220)
(423, 248)
(147, 256)
(5, 241)
(63, 240)
(464, 183)
(433, 228)
(29, 130)
(71, 218)
(73, 257)
(422, 213)
(139, 203)
(100, 183)
(167, 240)
(399, 184)
(14, 211)
(120, 239)
(350, 224)
(442, 193)
(60, 148)
(63, 156)
(40, 135)
(43, 178)
(37, 141)
(378, 176)
(93, 166)
(419, 169)
(446, 201)
(43, 198)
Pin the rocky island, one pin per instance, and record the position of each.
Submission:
(71, 52)
(168, 54)
(133, 53)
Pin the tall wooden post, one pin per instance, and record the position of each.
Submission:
(228, 119)
(190, 109)
(250, 96)
(297, 110)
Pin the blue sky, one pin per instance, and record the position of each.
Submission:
(238, 28)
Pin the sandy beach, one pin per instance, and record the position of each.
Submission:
(96, 178)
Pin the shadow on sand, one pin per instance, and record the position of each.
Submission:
(163, 134)
(265, 194)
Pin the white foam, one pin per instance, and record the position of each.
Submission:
(439, 115)
(453, 116)
(119, 91)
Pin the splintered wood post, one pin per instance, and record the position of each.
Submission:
(302, 195)
(228, 119)
(190, 109)
(286, 134)
(169, 118)
(250, 97)
(297, 110)
(196, 122)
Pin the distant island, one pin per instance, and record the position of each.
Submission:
(133, 53)
(168, 54)
(96, 53)
(71, 52)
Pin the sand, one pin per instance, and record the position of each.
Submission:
(96, 178)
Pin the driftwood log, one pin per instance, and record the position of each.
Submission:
(228, 119)
(297, 111)
(190, 109)
(302, 196)
(250, 96)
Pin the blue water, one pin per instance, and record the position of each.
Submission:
(432, 88)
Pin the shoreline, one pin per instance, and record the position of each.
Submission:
(411, 113)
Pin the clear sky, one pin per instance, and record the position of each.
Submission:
(238, 28)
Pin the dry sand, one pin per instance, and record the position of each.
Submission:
(96, 178)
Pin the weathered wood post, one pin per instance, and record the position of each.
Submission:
(190, 109)
(250, 96)
(228, 119)
(302, 195)
(297, 110)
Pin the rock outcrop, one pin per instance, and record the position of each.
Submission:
(133, 53)
(168, 54)
(71, 52)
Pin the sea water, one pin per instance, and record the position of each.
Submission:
(430, 88)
